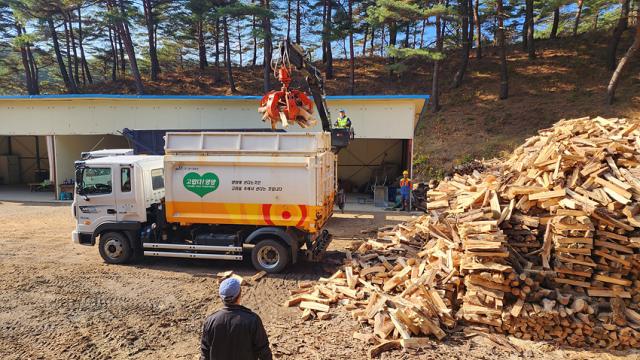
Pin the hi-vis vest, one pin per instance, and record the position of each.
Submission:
(405, 182)
(342, 122)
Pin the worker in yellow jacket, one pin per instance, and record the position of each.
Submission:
(405, 190)
(343, 121)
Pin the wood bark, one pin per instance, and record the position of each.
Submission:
(466, 44)
(288, 19)
(85, 66)
(619, 29)
(150, 22)
(268, 47)
(504, 81)
(556, 22)
(72, 36)
(68, 45)
(125, 35)
(577, 20)
(531, 48)
(476, 20)
(114, 55)
(61, 65)
(326, 40)
(217, 77)
(435, 84)
(624, 61)
(352, 66)
(254, 58)
(28, 63)
(227, 60)
(239, 41)
(298, 22)
(202, 48)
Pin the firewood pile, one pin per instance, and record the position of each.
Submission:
(541, 246)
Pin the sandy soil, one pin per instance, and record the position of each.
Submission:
(60, 301)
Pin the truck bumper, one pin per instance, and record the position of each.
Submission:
(82, 238)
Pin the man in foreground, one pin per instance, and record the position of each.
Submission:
(233, 332)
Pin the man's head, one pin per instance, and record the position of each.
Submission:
(405, 174)
(230, 291)
(342, 113)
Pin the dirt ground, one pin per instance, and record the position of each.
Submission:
(61, 301)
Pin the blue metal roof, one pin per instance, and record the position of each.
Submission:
(199, 97)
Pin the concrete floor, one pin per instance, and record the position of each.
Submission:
(21, 193)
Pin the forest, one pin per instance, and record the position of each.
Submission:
(76, 46)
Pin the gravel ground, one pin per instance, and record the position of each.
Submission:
(61, 301)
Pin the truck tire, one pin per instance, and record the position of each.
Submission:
(115, 248)
(270, 255)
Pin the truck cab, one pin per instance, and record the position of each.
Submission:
(114, 196)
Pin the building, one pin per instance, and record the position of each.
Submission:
(42, 136)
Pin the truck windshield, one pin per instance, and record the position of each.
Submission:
(95, 181)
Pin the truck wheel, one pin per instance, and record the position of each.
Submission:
(115, 248)
(270, 256)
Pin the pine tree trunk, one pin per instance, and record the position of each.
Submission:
(114, 55)
(525, 28)
(288, 19)
(123, 62)
(382, 36)
(393, 34)
(556, 22)
(621, 26)
(217, 77)
(406, 38)
(239, 41)
(83, 58)
(125, 35)
(298, 22)
(364, 40)
(466, 45)
(327, 42)
(435, 84)
(227, 60)
(150, 23)
(372, 41)
(531, 48)
(73, 47)
(631, 52)
(34, 72)
(476, 19)
(268, 47)
(504, 80)
(202, 49)
(352, 66)
(61, 65)
(471, 23)
(28, 74)
(68, 45)
(424, 27)
(254, 58)
(577, 21)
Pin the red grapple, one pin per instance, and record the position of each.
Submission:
(286, 105)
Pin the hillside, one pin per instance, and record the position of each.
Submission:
(567, 80)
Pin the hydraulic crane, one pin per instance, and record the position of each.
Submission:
(292, 105)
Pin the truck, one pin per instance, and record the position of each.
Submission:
(213, 195)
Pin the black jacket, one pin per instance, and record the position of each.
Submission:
(234, 333)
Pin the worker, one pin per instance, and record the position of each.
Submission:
(405, 190)
(233, 332)
(343, 121)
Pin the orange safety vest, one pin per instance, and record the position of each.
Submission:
(405, 182)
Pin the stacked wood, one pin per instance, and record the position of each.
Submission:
(542, 246)
(572, 237)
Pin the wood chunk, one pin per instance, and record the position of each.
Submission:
(314, 306)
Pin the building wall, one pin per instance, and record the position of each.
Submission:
(25, 148)
(366, 160)
(69, 147)
(379, 119)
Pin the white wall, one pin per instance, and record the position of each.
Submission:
(378, 118)
(69, 147)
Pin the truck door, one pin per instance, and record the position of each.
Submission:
(125, 194)
(96, 198)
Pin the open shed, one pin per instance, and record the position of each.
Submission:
(41, 136)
